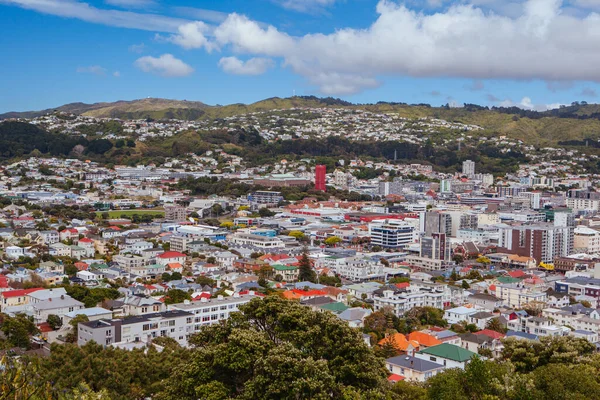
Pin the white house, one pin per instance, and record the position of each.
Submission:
(458, 314)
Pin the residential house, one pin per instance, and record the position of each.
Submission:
(450, 356)
(413, 368)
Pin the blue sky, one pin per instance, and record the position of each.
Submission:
(531, 53)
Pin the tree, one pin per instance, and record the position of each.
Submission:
(305, 269)
(265, 213)
(496, 325)
(18, 329)
(175, 296)
(54, 321)
(483, 260)
(211, 260)
(282, 350)
(465, 284)
(296, 234)
(332, 241)
(79, 318)
(205, 281)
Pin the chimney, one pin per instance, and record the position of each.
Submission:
(62, 296)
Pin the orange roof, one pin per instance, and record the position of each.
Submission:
(399, 341)
(402, 285)
(174, 265)
(424, 339)
(395, 378)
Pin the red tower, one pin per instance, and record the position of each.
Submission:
(320, 179)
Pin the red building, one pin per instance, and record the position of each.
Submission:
(320, 180)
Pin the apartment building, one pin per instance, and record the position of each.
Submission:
(359, 269)
(391, 233)
(175, 324)
(258, 241)
(543, 242)
(212, 311)
(175, 213)
(517, 296)
(538, 326)
(402, 300)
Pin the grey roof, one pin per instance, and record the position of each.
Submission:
(414, 363)
(521, 335)
(354, 314)
(52, 304)
(445, 334)
(481, 315)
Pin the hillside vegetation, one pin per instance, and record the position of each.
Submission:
(580, 121)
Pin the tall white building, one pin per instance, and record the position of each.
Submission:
(468, 168)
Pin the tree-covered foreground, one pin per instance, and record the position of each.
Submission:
(277, 349)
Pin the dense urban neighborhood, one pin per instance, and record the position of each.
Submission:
(431, 270)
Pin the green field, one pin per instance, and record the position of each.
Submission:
(118, 213)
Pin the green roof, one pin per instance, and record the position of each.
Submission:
(508, 279)
(336, 307)
(279, 267)
(449, 352)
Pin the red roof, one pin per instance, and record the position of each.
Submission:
(19, 292)
(203, 295)
(171, 254)
(44, 327)
(516, 274)
(395, 378)
(490, 333)
(85, 240)
(3, 282)
(402, 285)
(309, 292)
(492, 288)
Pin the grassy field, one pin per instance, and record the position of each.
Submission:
(117, 213)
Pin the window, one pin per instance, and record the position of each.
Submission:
(433, 359)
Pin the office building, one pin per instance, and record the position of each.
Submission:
(468, 168)
(320, 178)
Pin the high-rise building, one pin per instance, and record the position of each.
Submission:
(320, 179)
(435, 247)
(542, 241)
(437, 222)
(468, 168)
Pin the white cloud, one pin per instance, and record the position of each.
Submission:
(117, 74)
(192, 36)
(137, 48)
(131, 3)
(92, 69)
(88, 13)
(587, 4)
(527, 104)
(253, 66)
(202, 14)
(165, 65)
(463, 41)
(305, 5)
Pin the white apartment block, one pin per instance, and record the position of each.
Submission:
(212, 311)
(404, 300)
(359, 269)
(516, 296)
(261, 242)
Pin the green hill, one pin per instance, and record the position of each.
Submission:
(577, 122)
